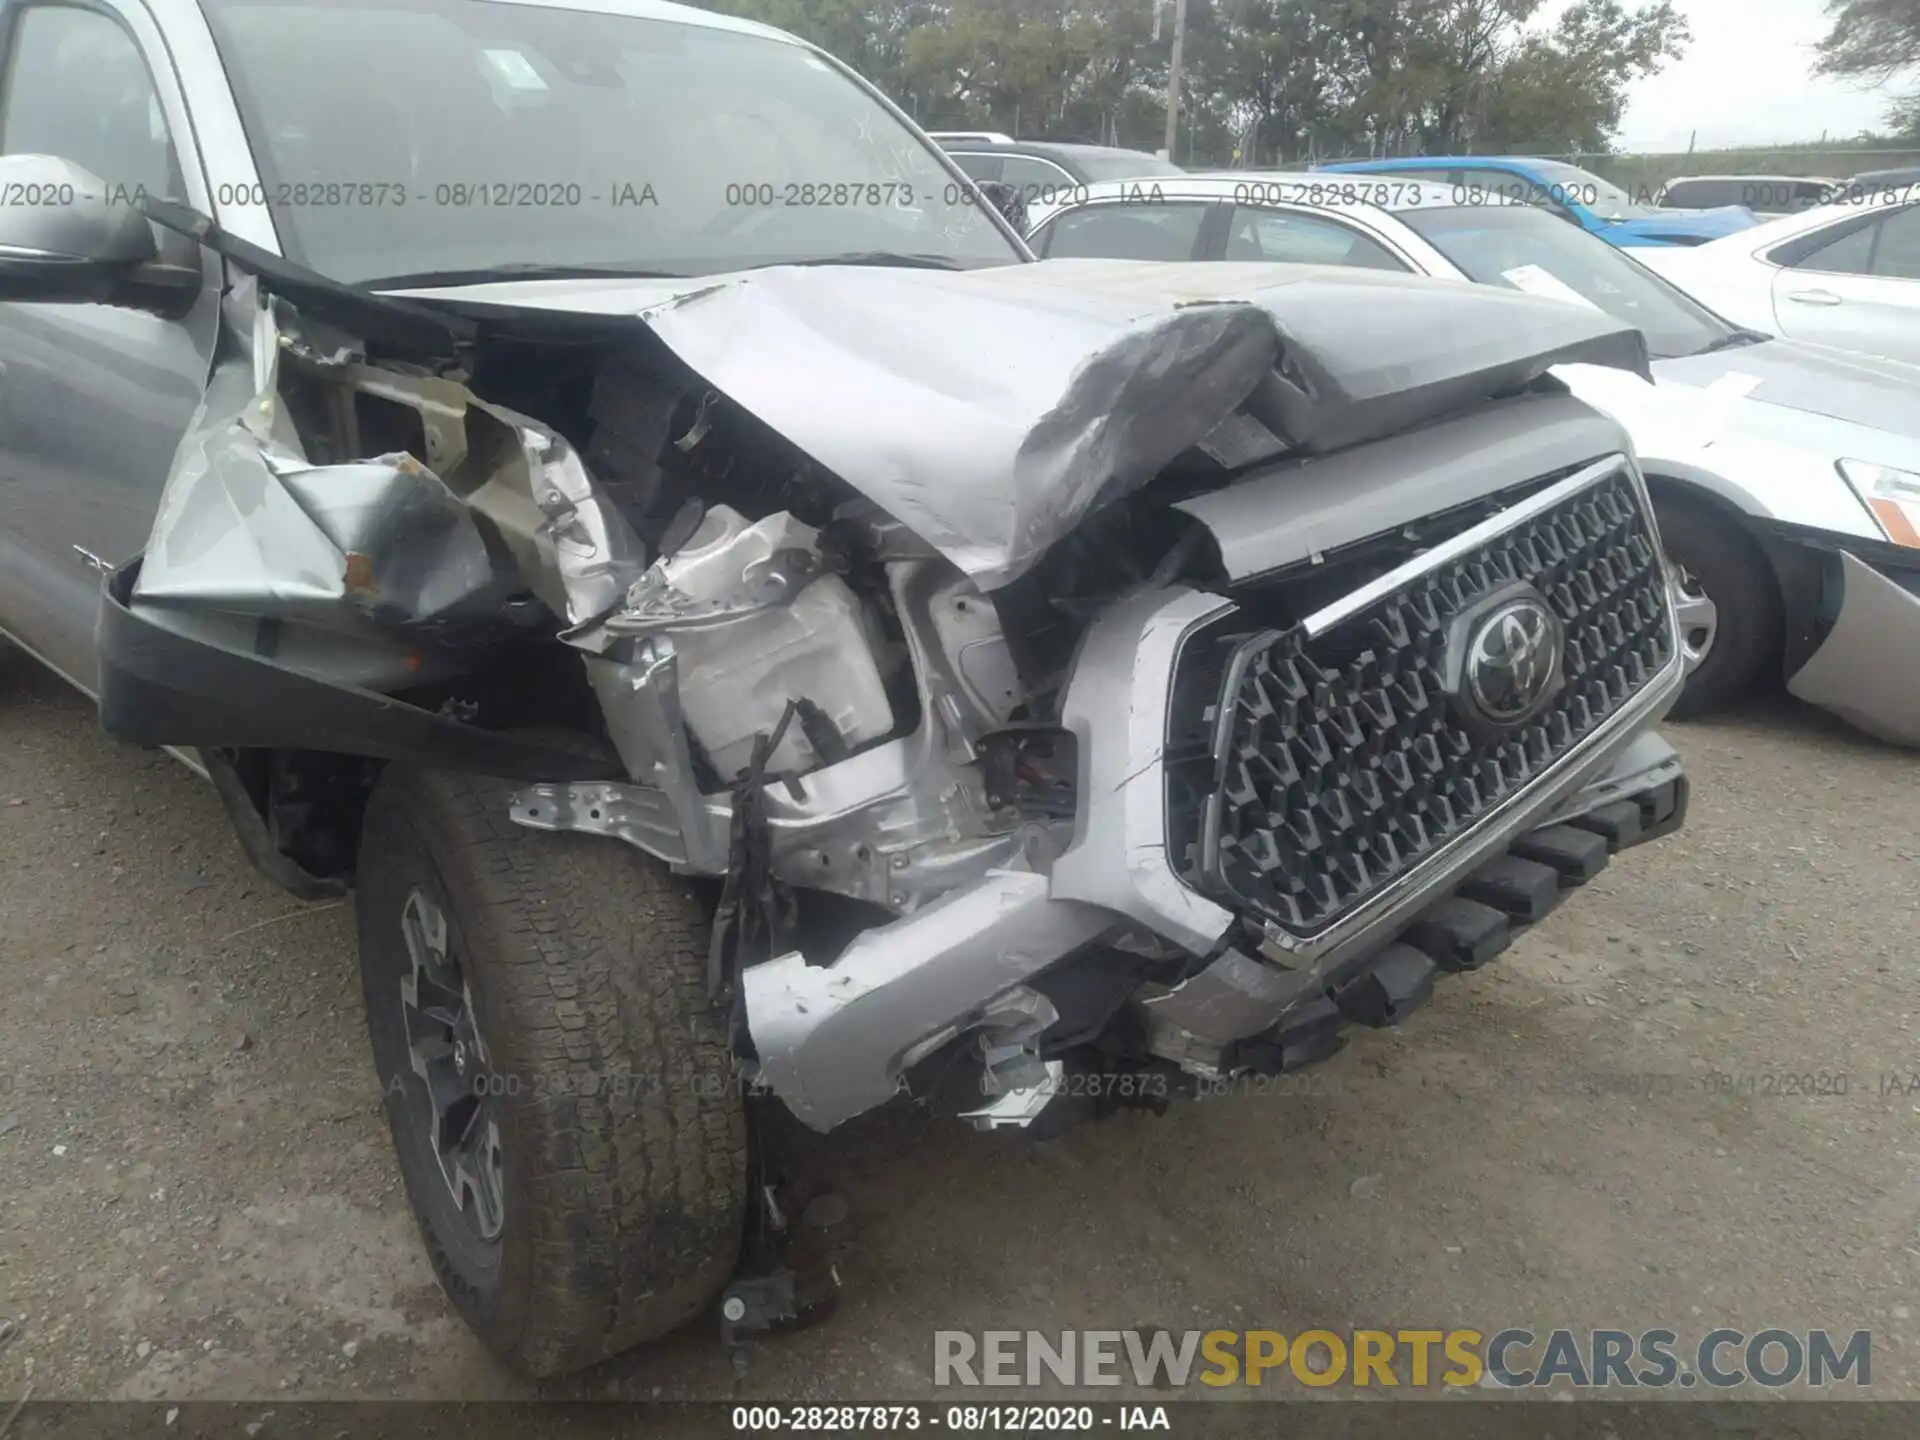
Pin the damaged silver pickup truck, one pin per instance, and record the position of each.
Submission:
(733, 650)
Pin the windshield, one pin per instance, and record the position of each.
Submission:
(1583, 187)
(1536, 251)
(409, 137)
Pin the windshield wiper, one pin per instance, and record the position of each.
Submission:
(517, 270)
(1734, 340)
(881, 257)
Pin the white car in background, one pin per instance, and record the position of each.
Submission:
(1767, 196)
(1786, 476)
(1846, 274)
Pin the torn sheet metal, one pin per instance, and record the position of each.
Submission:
(574, 548)
(991, 410)
(986, 418)
(1865, 671)
(247, 529)
(834, 1040)
(247, 525)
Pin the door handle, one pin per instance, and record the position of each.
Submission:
(87, 557)
(1813, 297)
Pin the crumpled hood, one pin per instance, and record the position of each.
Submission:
(1697, 225)
(1882, 395)
(991, 410)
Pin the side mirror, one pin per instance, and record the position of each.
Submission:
(1008, 200)
(65, 238)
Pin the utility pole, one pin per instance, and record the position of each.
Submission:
(1173, 73)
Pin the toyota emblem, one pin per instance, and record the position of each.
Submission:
(1513, 661)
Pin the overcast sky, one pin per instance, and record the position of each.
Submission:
(1745, 80)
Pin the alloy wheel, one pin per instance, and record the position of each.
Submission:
(452, 1082)
(1698, 615)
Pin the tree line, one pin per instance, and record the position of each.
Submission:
(1283, 81)
(1878, 42)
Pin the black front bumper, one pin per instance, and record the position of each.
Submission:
(1469, 928)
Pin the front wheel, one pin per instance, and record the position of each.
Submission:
(560, 1093)
(1728, 605)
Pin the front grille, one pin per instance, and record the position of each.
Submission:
(1305, 773)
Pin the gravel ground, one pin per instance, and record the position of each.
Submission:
(197, 1200)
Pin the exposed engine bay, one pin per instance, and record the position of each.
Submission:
(721, 589)
(777, 606)
(545, 545)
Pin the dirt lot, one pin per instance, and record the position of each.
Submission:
(196, 1197)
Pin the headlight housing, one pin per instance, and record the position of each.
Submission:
(1892, 495)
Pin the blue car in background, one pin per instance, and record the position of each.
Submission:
(1581, 196)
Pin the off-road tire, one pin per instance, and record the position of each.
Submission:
(623, 1138)
(1736, 577)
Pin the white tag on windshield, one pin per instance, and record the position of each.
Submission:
(1734, 385)
(515, 69)
(1535, 281)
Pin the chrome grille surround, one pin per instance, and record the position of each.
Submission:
(1310, 771)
